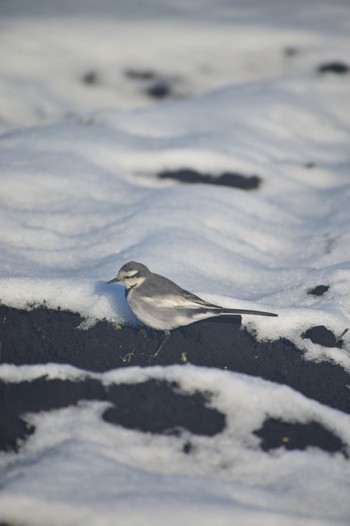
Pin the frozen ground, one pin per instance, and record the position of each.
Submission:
(83, 141)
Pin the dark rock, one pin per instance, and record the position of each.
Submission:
(277, 433)
(319, 290)
(231, 179)
(340, 68)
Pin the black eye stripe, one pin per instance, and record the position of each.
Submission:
(133, 276)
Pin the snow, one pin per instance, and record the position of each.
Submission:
(147, 477)
(80, 197)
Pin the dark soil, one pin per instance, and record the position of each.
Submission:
(44, 336)
(230, 179)
(336, 67)
(319, 290)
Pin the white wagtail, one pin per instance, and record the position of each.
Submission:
(161, 304)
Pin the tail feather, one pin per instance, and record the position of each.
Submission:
(244, 311)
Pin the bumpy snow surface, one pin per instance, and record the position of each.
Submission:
(102, 105)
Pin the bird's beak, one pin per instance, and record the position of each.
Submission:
(114, 280)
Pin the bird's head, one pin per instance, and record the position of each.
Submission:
(131, 275)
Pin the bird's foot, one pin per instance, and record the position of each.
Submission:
(167, 335)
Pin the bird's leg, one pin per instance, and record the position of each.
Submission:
(167, 334)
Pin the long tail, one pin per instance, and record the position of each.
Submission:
(243, 311)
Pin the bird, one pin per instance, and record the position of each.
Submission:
(159, 303)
